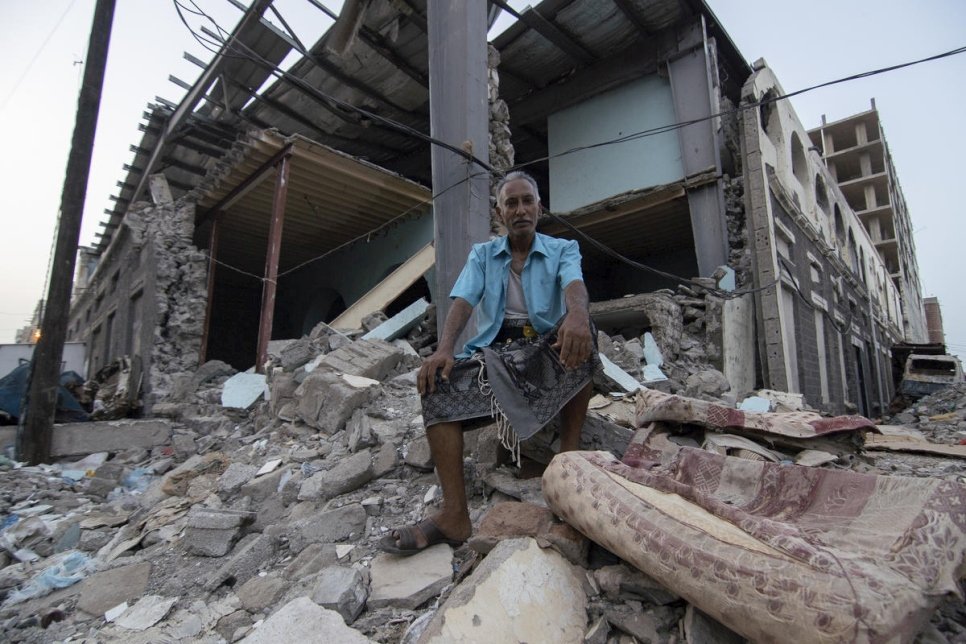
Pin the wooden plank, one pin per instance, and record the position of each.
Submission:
(387, 290)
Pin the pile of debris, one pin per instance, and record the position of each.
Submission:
(252, 510)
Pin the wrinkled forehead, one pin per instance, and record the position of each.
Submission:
(518, 188)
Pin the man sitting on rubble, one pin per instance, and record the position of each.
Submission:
(534, 355)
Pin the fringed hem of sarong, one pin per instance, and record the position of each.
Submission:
(469, 393)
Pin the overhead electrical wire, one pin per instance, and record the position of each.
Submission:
(277, 72)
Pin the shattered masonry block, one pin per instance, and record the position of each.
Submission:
(341, 524)
(368, 358)
(297, 354)
(343, 590)
(407, 582)
(326, 400)
(252, 552)
(212, 533)
(349, 474)
(502, 580)
(302, 620)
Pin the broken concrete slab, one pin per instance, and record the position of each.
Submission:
(419, 455)
(367, 358)
(341, 524)
(408, 582)
(148, 611)
(105, 590)
(297, 353)
(79, 439)
(243, 390)
(349, 474)
(250, 554)
(212, 533)
(236, 475)
(259, 593)
(302, 620)
(343, 590)
(399, 324)
(508, 598)
(326, 400)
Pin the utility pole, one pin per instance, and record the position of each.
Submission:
(34, 437)
(459, 115)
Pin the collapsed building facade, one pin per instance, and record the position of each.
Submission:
(249, 215)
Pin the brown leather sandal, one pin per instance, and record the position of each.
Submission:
(403, 541)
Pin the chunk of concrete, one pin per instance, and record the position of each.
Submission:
(408, 582)
(252, 552)
(520, 593)
(418, 454)
(709, 382)
(148, 611)
(302, 620)
(368, 358)
(296, 354)
(258, 593)
(341, 524)
(243, 390)
(261, 487)
(359, 430)
(235, 476)
(399, 324)
(326, 401)
(312, 560)
(343, 590)
(385, 460)
(104, 590)
(349, 474)
(212, 533)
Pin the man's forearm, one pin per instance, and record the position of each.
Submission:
(456, 319)
(577, 299)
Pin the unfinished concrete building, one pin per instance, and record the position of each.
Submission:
(252, 214)
(934, 321)
(858, 158)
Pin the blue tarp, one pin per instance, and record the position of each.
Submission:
(13, 388)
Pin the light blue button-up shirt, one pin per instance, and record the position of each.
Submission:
(550, 267)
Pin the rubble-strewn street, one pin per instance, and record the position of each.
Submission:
(256, 520)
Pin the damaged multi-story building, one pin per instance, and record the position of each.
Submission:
(252, 214)
(857, 154)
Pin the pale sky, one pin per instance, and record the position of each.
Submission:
(806, 43)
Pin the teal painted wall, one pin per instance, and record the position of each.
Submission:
(588, 176)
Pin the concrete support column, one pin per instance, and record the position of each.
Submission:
(865, 164)
(870, 201)
(691, 77)
(861, 136)
(459, 115)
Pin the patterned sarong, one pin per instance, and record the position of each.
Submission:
(520, 383)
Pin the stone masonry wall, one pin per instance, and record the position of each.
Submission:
(180, 295)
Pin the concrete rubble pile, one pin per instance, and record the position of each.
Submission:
(257, 520)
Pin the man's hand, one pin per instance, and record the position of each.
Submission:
(574, 342)
(426, 380)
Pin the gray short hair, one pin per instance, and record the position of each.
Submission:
(517, 175)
